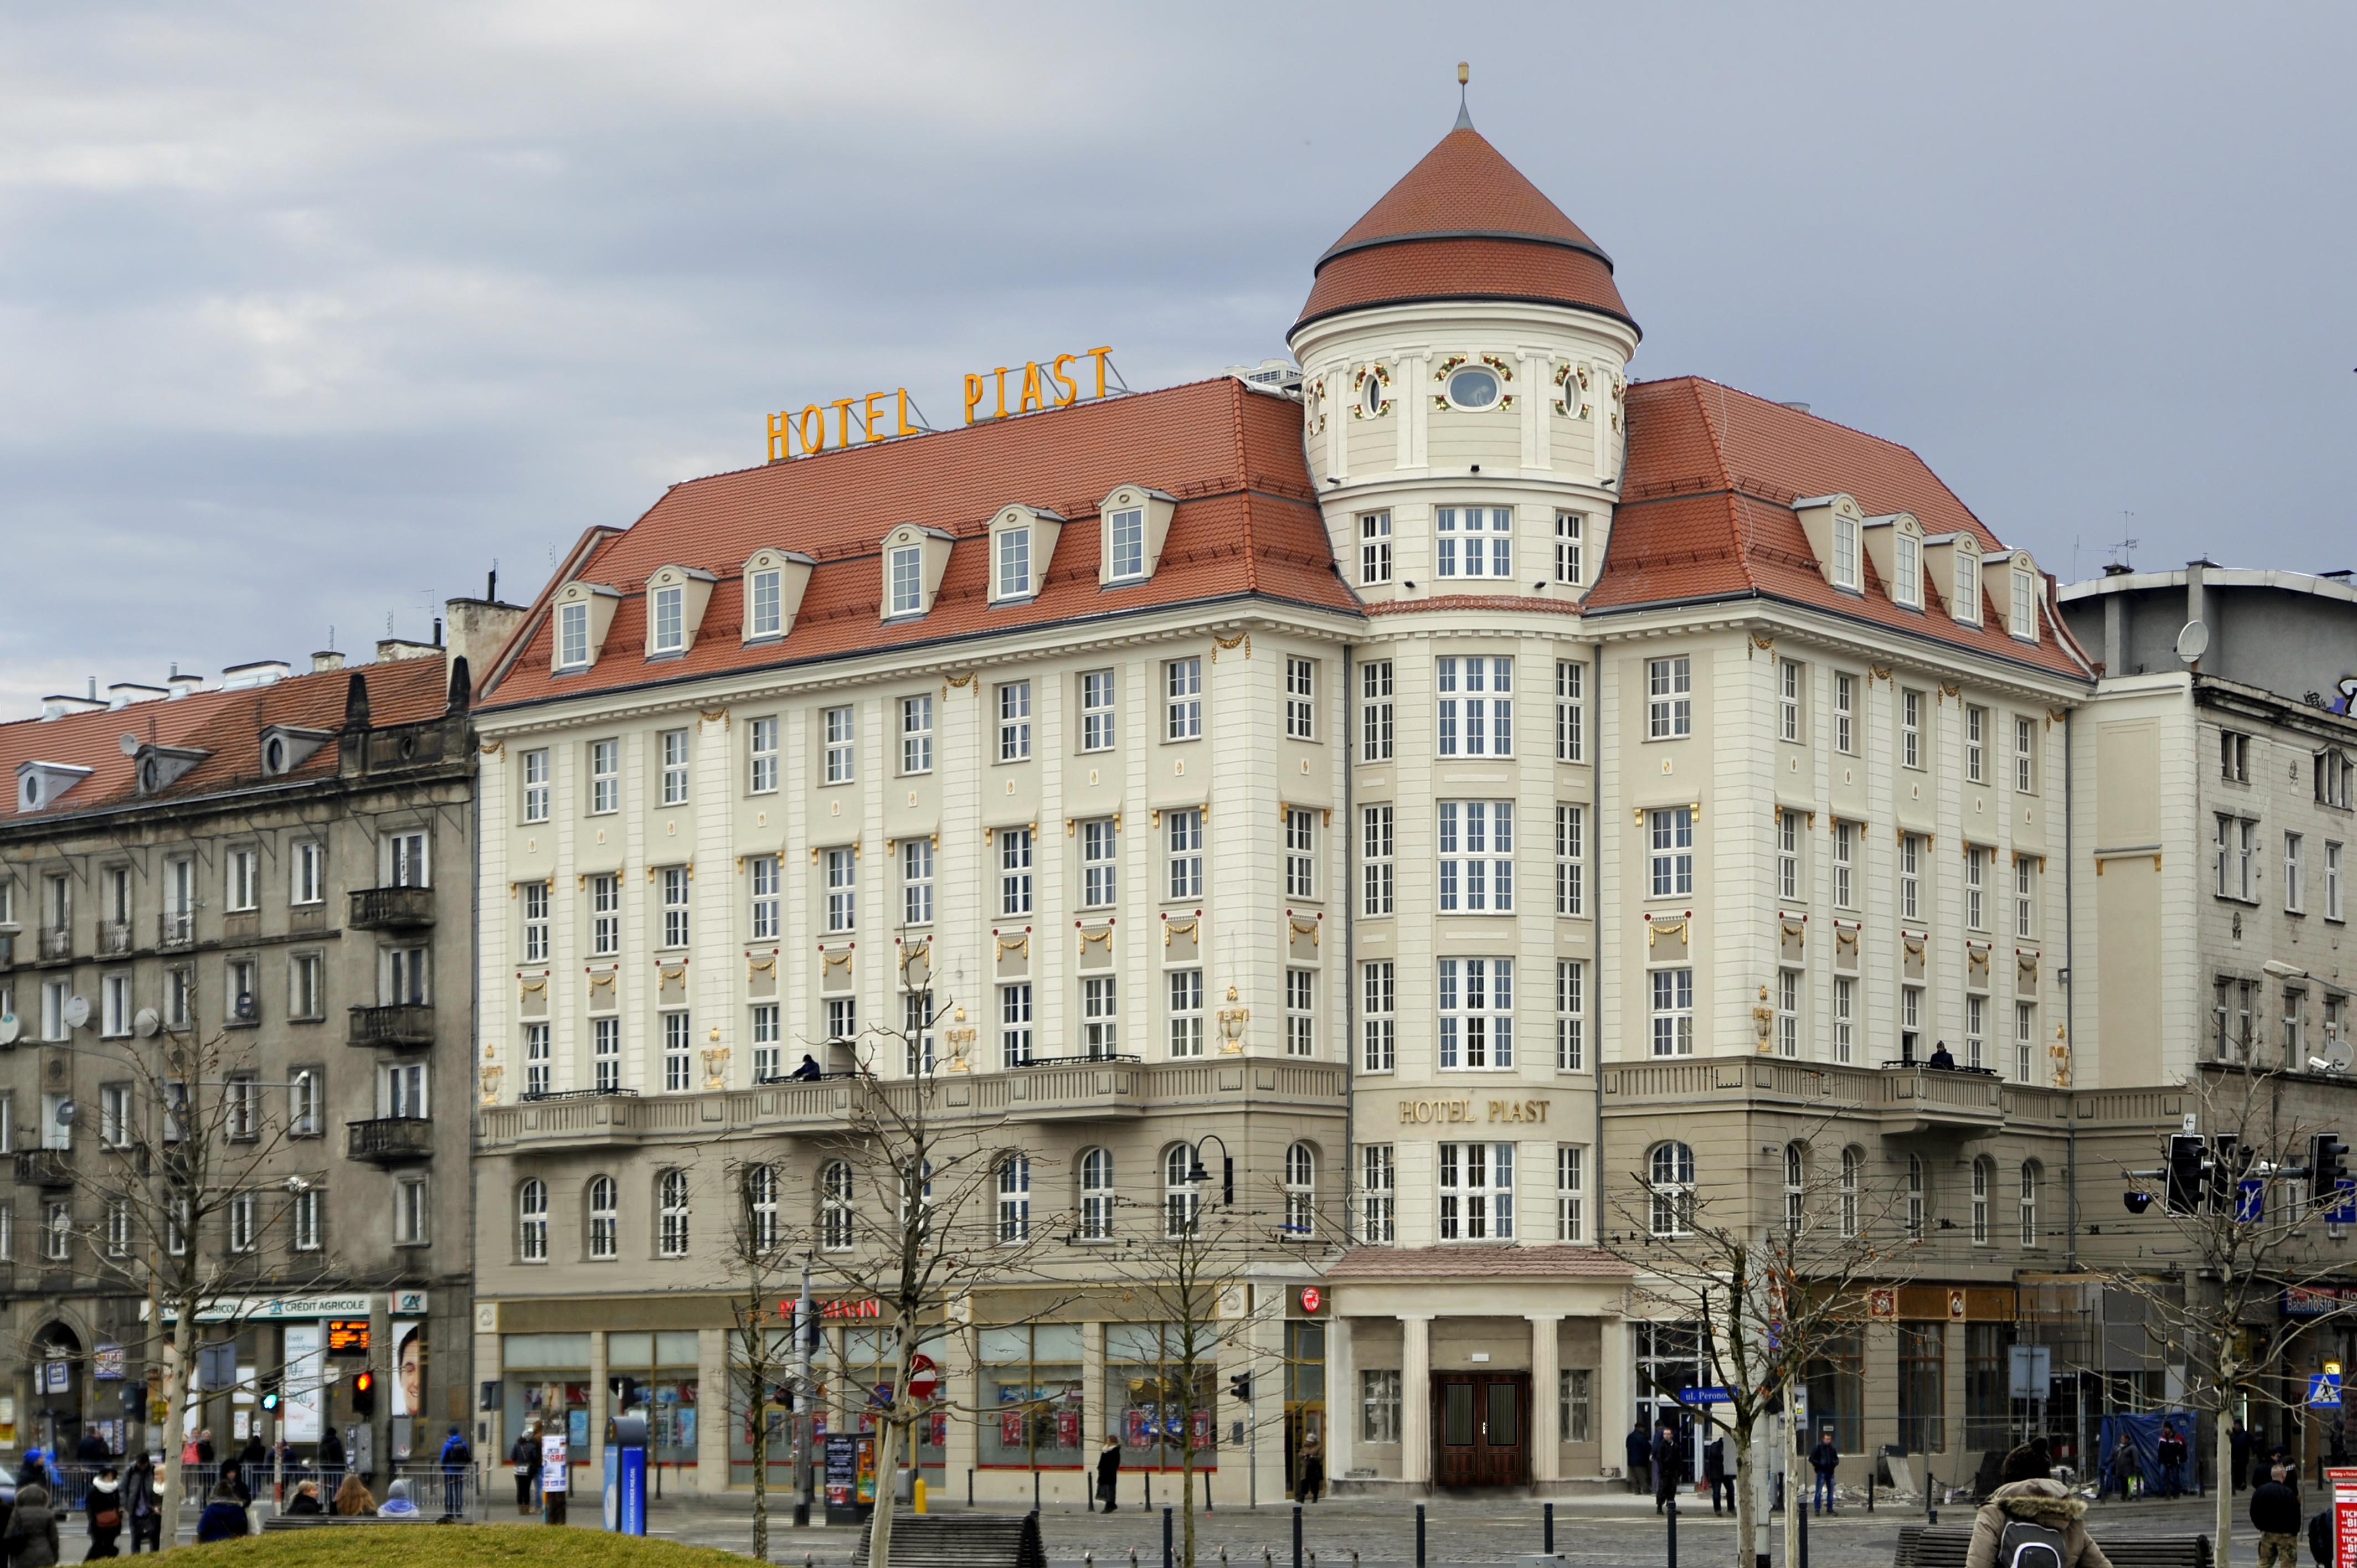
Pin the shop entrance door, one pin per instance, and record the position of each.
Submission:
(1478, 1424)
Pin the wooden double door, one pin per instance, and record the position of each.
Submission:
(1481, 1426)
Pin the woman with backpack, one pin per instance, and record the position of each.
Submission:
(2031, 1521)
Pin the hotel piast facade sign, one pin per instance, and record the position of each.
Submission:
(1470, 1110)
(1051, 383)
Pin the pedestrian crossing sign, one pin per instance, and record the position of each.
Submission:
(2324, 1390)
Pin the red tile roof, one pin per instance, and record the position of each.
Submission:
(227, 725)
(1706, 511)
(1464, 224)
(1372, 1265)
(1247, 523)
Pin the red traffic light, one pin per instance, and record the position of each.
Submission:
(363, 1382)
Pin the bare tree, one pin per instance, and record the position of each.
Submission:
(2241, 1209)
(761, 1331)
(1765, 1296)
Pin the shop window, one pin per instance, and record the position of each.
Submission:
(1154, 1408)
(1922, 1388)
(1033, 1398)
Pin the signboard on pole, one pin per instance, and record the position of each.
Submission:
(305, 1359)
(2031, 1371)
(1715, 1394)
(2324, 1390)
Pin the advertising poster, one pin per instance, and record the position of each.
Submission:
(305, 1361)
(409, 1367)
(556, 1469)
(106, 1363)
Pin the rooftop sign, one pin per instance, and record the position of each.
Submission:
(858, 421)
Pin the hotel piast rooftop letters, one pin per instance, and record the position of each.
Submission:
(1490, 796)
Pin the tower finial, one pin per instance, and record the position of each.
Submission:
(1464, 74)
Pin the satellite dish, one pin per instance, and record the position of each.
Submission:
(247, 1008)
(2340, 1053)
(65, 1113)
(76, 1012)
(9, 1028)
(2193, 641)
(129, 743)
(144, 1023)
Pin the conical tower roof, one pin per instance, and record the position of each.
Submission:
(1464, 223)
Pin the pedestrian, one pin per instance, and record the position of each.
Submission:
(91, 1449)
(1665, 1468)
(253, 1464)
(1311, 1483)
(2275, 1514)
(2238, 1444)
(1713, 1470)
(1640, 1451)
(2172, 1461)
(525, 1457)
(32, 1538)
(2029, 1508)
(102, 1509)
(458, 1458)
(331, 1461)
(206, 1453)
(397, 1504)
(305, 1500)
(353, 1497)
(1108, 1471)
(2124, 1466)
(1825, 1463)
(145, 1503)
(224, 1517)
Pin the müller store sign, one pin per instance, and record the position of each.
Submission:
(1054, 383)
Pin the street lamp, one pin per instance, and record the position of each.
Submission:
(1198, 1175)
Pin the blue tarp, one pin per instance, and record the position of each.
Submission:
(2143, 1434)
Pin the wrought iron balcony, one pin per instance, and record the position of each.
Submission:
(114, 938)
(44, 1167)
(402, 1024)
(57, 942)
(390, 1140)
(175, 928)
(391, 908)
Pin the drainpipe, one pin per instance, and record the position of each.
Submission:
(1350, 966)
(2070, 1000)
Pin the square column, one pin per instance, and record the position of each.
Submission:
(1546, 1452)
(1415, 1399)
(1341, 1400)
(716, 1392)
(594, 1479)
(1616, 1392)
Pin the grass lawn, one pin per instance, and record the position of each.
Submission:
(425, 1545)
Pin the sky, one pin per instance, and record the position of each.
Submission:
(310, 314)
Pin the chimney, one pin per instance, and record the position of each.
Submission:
(123, 693)
(2196, 603)
(478, 628)
(2116, 638)
(182, 685)
(60, 705)
(325, 659)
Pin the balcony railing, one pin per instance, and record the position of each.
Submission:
(390, 1140)
(57, 942)
(44, 1167)
(114, 938)
(402, 1024)
(175, 928)
(391, 908)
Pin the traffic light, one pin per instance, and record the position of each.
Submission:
(364, 1393)
(2186, 1159)
(269, 1394)
(1240, 1387)
(2328, 1167)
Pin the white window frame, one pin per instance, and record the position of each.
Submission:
(605, 914)
(1497, 562)
(1379, 1198)
(1568, 528)
(571, 637)
(605, 778)
(761, 755)
(1668, 697)
(841, 867)
(1570, 861)
(1845, 554)
(310, 877)
(1125, 544)
(1670, 856)
(667, 618)
(1300, 853)
(1910, 728)
(1477, 706)
(1975, 743)
(1015, 721)
(1183, 992)
(675, 756)
(904, 578)
(1015, 1024)
(1570, 1192)
(1100, 864)
(764, 882)
(841, 734)
(1378, 845)
(676, 905)
(917, 881)
(1476, 1191)
(1375, 711)
(1097, 716)
(765, 593)
(1182, 700)
(1670, 1013)
(535, 785)
(2024, 755)
(1182, 841)
(1301, 1012)
(678, 1030)
(1300, 699)
(605, 1055)
(1011, 564)
(1475, 842)
(1476, 1005)
(1570, 1015)
(1374, 548)
(1570, 711)
(1014, 873)
(604, 1204)
(917, 735)
(1907, 570)
(1788, 699)
(1789, 887)
(1379, 1015)
(1100, 1015)
(532, 903)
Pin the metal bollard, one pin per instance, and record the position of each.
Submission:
(969, 1486)
(1297, 1535)
(1804, 1519)
(1419, 1535)
(1547, 1542)
(1035, 1491)
(1672, 1512)
(1165, 1536)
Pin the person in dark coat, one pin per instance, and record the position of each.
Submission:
(144, 1504)
(102, 1511)
(457, 1459)
(2238, 1445)
(524, 1455)
(1108, 1471)
(32, 1538)
(331, 1461)
(1713, 1470)
(2275, 1515)
(1665, 1468)
(1640, 1450)
(224, 1517)
(1312, 1484)
(206, 1453)
(2028, 1493)
(252, 1465)
(1825, 1463)
(2172, 1461)
(91, 1449)
(306, 1500)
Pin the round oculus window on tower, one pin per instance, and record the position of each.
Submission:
(1370, 396)
(1474, 389)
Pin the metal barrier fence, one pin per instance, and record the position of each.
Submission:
(434, 1490)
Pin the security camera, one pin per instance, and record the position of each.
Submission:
(298, 1186)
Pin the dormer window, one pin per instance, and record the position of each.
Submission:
(761, 616)
(1013, 563)
(906, 573)
(1967, 604)
(1022, 543)
(283, 749)
(2025, 604)
(39, 785)
(571, 637)
(1845, 553)
(669, 620)
(1125, 543)
(773, 583)
(1907, 576)
(1135, 520)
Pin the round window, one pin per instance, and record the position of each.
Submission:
(1370, 396)
(274, 757)
(1473, 388)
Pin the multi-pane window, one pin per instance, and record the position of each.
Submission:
(917, 1020)
(605, 914)
(605, 777)
(670, 620)
(761, 1192)
(761, 755)
(834, 1213)
(115, 1115)
(2029, 1203)
(836, 725)
(1570, 860)
(2335, 907)
(1186, 992)
(675, 905)
(1014, 1025)
(1907, 570)
(1977, 861)
(1378, 1016)
(1477, 706)
(768, 1062)
(2025, 895)
(310, 868)
(1570, 711)
(1300, 1192)
(1015, 1200)
(1375, 711)
(1966, 605)
(1916, 1196)
(1378, 1194)
(1853, 1169)
(2024, 604)
(2295, 868)
(1846, 714)
(674, 767)
(1911, 729)
(2024, 756)
(1184, 838)
(1844, 1019)
(1788, 1011)
(1474, 542)
(1575, 1404)
(841, 889)
(305, 1225)
(1300, 699)
(1183, 698)
(536, 1063)
(1099, 873)
(906, 575)
(605, 1217)
(2025, 1041)
(763, 592)
(917, 881)
(1571, 1193)
(677, 1032)
(917, 733)
(1910, 1023)
(1975, 744)
(1845, 553)
(1376, 847)
(531, 1221)
(1788, 699)
(1015, 721)
(1975, 1031)
(533, 896)
(244, 878)
(1670, 832)
(1796, 1173)
(2238, 851)
(1100, 1015)
(672, 1210)
(1126, 542)
(1477, 1013)
(1567, 528)
(1014, 563)
(1670, 1184)
(1379, 1403)
(1673, 1012)
(1845, 865)
(2336, 780)
(1789, 823)
(1668, 697)
(1477, 857)
(535, 786)
(1096, 710)
(1015, 871)
(1375, 547)
(1300, 853)
(573, 636)
(1182, 1193)
(2234, 756)
(1570, 1016)
(1910, 877)
(1096, 1196)
(1301, 1012)
(762, 877)
(1477, 1191)
(606, 1054)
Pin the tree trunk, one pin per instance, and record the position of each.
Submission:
(1794, 1470)
(2224, 1465)
(759, 1444)
(1186, 1479)
(880, 1528)
(179, 1375)
(1743, 1509)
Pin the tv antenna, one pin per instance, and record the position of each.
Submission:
(2125, 548)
